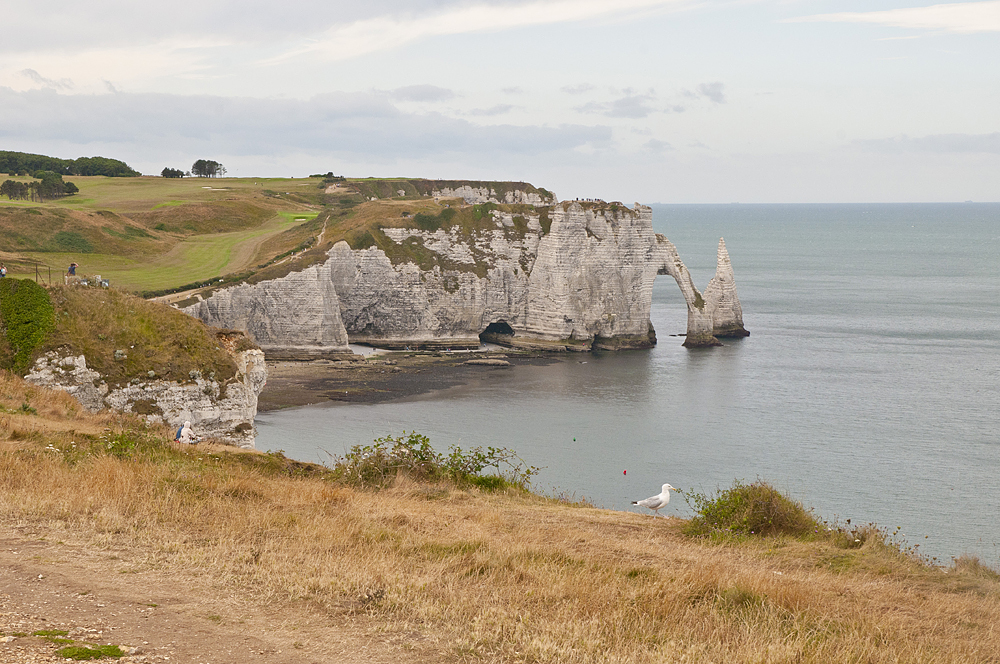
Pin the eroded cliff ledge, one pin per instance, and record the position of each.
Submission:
(566, 276)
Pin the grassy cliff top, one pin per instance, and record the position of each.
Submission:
(122, 336)
(156, 235)
(432, 571)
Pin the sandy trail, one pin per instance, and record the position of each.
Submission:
(103, 597)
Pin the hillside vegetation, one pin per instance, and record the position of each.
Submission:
(445, 570)
(159, 235)
(23, 163)
(122, 336)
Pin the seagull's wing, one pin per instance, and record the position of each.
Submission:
(652, 503)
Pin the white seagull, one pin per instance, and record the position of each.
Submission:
(658, 501)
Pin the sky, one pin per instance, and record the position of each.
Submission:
(654, 101)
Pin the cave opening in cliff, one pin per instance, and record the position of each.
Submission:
(499, 332)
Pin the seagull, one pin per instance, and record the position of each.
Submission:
(656, 502)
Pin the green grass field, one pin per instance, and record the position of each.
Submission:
(199, 258)
(148, 192)
(157, 234)
(184, 252)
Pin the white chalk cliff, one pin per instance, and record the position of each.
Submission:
(570, 276)
(221, 410)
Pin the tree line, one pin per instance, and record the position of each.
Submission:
(23, 163)
(203, 168)
(48, 185)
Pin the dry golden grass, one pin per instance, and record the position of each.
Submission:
(494, 578)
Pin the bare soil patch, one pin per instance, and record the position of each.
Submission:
(108, 597)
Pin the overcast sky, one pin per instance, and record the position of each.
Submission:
(637, 100)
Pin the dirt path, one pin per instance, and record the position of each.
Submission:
(155, 615)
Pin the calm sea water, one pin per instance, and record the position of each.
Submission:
(869, 388)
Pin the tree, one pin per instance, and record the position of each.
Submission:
(206, 168)
(172, 173)
(21, 163)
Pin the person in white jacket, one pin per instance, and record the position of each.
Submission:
(186, 435)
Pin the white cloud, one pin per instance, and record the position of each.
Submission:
(939, 143)
(363, 125)
(713, 92)
(498, 109)
(630, 106)
(657, 146)
(961, 17)
(422, 93)
(342, 42)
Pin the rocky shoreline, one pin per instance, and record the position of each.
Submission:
(381, 378)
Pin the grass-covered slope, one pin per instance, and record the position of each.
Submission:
(122, 336)
(452, 572)
(26, 321)
(150, 233)
(159, 235)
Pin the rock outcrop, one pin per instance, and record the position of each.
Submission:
(293, 318)
(225, 411)
(484, 194)
(571, 276)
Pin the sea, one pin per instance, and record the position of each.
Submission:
(869, 388)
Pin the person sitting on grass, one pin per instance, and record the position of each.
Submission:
(186, 435)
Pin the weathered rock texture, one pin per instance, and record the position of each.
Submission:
(219, 410)
(296, 317)
(486, 194)
(583, 279)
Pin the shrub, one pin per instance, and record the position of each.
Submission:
(749, 509)
(85, 652)
(972, 566)
(26, 318)
(430, 222)
(377, 465)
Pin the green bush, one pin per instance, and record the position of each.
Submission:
(377, 465)
(85, 652)
(430, 222)
(749, 509)
(26, 319)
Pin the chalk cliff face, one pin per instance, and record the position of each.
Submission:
(474, 195)
(570, 276)
(219, 410)
(297, 317)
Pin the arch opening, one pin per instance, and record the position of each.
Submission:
(499, 332)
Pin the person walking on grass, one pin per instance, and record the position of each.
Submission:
(3, 270)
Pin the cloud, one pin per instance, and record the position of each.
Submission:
(499, 109)
(713, 92)
(61, 84)
(513, 91)
(630, 106)
(939, 143)
(577, 89)
(422, 93)
(960, 17)
(365, 125)
(394, 29)
(657, 146)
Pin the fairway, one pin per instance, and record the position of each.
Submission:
(148, 192)
(154, 233)
(199, 258)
